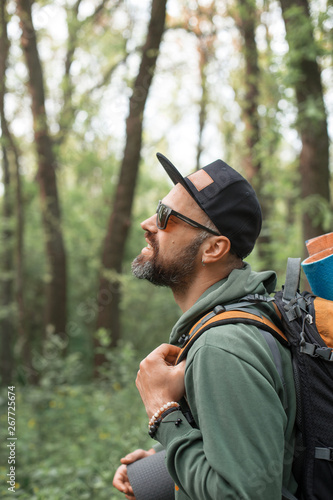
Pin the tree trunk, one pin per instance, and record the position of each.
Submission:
(312, 119)
(119, 222)
(246, 21)
(7, 321)
(203, 61)
(55, 308)
(74, 27)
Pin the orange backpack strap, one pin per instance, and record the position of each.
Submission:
(227, 316)
(324, 319)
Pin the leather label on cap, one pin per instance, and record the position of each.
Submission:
(200, 179)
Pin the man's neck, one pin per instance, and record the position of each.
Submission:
(207, 276)
(187, 298)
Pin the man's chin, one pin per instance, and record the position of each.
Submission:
(142, 268)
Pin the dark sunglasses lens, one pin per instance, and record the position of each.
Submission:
(162, 216)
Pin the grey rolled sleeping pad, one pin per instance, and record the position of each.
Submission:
(150, 479)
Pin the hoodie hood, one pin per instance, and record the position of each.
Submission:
(239, 283)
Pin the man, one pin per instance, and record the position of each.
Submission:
(240, 445)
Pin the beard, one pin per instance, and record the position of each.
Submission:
(177, 273)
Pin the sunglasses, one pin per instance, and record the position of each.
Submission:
(163, 213)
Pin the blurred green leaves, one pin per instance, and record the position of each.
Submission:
(70, 437)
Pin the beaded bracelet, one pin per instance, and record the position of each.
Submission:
(157, 418)
(171, 404)
(152, 428)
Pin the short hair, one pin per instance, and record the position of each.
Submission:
(210, 224)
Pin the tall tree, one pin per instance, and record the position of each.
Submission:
(7, 324)
(6, 278)
(246, 19)
(119, 221)
(12, 263)
(205, 31)
(56, 291)
(198, 19)
(102, 13)
(204, 52)
(305, 75)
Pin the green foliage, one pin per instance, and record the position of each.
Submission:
(54, 368)
(303, 60)
(89, 156)
(300, 37)
(319, 210)
(70, 438)
(72, 431)
(146, 331)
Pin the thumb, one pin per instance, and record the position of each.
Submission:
(130, 457)
(181, 366)
(136, 455)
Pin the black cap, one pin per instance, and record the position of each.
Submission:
(227, 198)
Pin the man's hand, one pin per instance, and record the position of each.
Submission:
(158, 380)
(120, 480)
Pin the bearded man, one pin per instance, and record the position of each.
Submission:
(237, 440)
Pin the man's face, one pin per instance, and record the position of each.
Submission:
(171, 256)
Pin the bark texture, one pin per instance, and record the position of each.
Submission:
(119, 222)
(246, 21)
(55, 308)
(7, 322)
(312, 118)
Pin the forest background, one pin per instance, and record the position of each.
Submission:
(90, 90)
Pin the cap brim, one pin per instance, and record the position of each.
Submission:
(172, 172)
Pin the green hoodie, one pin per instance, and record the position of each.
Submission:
(243, 446)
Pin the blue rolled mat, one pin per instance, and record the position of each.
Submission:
(320, 276)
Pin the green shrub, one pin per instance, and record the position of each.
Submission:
(70, 437)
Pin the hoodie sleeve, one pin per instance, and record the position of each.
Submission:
(234, 391)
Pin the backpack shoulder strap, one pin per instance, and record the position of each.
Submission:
(293, 275)
(293, 302)
(267, 328)
(219, 317)
(278, 363)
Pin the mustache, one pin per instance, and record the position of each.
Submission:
(152, 240)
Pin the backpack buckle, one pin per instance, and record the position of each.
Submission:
(183, 339)
(325, 353)
(324, 454)
(316, 351)
(218, 309)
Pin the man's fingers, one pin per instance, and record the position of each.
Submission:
(167, 352)
(181, 367)
(136, 455)
(120, 480)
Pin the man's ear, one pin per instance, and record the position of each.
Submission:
(214, 248)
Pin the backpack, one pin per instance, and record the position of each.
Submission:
(307, 329)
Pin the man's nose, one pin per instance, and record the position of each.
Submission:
(150, 224)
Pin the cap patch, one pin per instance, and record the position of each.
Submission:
(200, 179)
